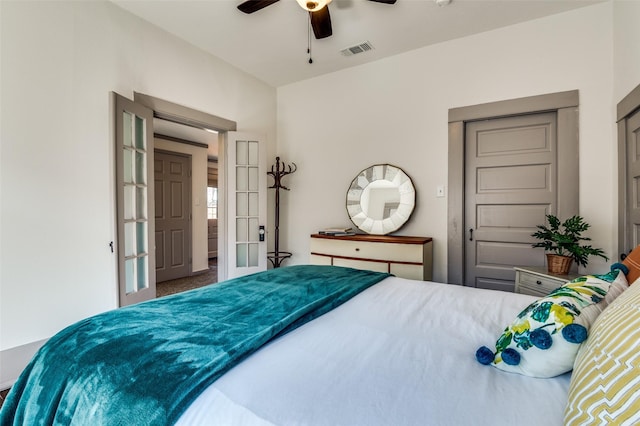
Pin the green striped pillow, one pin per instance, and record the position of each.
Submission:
(605, 385)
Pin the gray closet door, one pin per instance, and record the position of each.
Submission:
(510, 185)
(173, 215)
(633, 181)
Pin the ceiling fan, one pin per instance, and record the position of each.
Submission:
(318, 12)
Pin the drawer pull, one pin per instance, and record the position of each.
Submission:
(538, 282)
(357, 249)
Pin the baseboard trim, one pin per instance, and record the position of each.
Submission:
(14, 360)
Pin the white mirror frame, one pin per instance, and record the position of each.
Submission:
(392, 176)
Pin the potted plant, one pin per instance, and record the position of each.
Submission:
(562, 242)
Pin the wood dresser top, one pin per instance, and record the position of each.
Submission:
(399, 239)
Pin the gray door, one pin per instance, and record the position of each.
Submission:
(510, 185)
(134, 186)
(632, 234)
(173, 215)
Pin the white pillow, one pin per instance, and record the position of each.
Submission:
(545, 337)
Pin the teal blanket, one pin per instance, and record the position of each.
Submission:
(145, 364)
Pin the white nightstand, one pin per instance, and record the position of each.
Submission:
(536, 281)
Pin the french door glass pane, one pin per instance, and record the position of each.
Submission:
(242, 204)
(242, 178)
(128, 166)
(253, 229)
(253, 154)
(129, 202)
(253, 179)
(253, 255)
(140, 139)
(129, 274)
(241, 255)
(129, 238)
(141, 237)
(241, 229)
(143, 282)
(141, 203)
(253, 204)
(241, 152)
(141, 169)
(127, 124)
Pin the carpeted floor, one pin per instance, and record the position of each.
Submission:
(199, 279)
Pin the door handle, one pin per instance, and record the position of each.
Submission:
(470, 234)
(623, 256)
(261, 232)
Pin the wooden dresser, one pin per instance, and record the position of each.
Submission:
(405, 257)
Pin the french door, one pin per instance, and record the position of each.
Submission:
(135, 214)
(246, 180)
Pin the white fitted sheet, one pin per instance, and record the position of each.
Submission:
(400, 353)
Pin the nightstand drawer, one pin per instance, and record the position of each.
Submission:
(542, 284)
(537, 281)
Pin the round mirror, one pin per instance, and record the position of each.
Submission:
(380, 199)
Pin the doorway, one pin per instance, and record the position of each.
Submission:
(181, 162)
(628, 117)
(475, 204)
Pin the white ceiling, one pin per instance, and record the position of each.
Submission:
(271, 44)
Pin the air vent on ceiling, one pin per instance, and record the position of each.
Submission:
(358, 48)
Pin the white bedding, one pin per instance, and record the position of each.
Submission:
(400, 353)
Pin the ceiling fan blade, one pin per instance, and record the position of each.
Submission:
(251, 6)
(321, 23)
(385, 1)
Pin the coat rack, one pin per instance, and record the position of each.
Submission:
(278, 171)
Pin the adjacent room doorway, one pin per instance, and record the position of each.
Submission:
(241, 205)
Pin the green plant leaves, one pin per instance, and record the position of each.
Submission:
(564, 238)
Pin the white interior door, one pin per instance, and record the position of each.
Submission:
(246, 185)
(134, 187)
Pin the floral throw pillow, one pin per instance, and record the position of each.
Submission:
(545, 337)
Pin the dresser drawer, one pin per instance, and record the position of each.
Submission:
(361, 264)
(405, 257)
(369, 250)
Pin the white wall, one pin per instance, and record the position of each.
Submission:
(626, 47)
(199, 227)
(60, 61)
(395, 111)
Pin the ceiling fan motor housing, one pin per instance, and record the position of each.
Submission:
(313, 5)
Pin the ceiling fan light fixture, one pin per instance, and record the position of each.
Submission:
(313, 5)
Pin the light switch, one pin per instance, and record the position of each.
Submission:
(440, 191)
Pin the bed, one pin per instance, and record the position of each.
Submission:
(387, 351)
